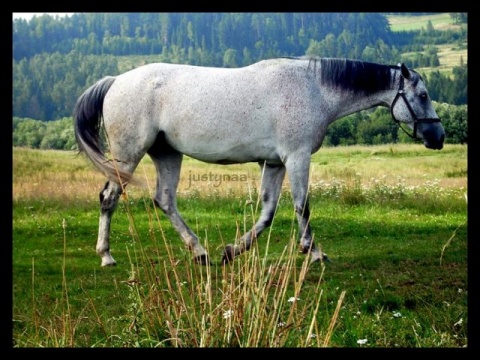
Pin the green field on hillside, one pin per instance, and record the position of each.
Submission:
(440, 21)
(450, 55)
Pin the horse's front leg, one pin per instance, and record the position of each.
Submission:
(168, 166)
(298, 168)
(272, 179)
(108, 202)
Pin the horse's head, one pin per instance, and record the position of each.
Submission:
(413, 106)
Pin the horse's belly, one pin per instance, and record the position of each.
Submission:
(225, 153)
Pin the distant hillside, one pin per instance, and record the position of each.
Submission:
(440, 21)
(450, 54)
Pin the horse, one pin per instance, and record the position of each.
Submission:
(274, 112)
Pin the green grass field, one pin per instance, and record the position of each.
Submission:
(392, 218)
(440, 21)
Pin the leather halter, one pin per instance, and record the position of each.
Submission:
(416, 120)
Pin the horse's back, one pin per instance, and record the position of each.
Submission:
(181, 79)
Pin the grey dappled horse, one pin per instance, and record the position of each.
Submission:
(274, 112)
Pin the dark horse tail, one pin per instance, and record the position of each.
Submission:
(87, 116)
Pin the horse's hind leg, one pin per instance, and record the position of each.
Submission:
(168, 163)
(108, 202)
(272, 180)
(298, 168)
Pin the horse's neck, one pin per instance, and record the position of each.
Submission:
(354, 103)
(350, 102)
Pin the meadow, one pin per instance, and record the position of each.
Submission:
(439, 21)
(392, 218)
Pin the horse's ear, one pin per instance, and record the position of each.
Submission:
(405, 71)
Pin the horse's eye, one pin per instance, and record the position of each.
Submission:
(423, 96)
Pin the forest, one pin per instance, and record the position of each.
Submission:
(56, 58)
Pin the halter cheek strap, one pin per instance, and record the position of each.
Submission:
(416, 120)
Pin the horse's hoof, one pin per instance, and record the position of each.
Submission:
(317, 256)
(202, 260)
(321, 259)
(228, 254)
(306, 249)
(106, 264)
(108, 260)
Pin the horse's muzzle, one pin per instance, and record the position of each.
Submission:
(434, 146)
(433, 135)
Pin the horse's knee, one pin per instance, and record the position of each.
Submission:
(164, 204)
(302, 210)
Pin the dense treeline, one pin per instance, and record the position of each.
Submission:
(443, 88)
(197, 38)
(56, 58)
(47, 85)
(203, 38)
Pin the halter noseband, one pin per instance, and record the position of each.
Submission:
(416, 120)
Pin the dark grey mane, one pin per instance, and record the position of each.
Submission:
(356, 76)
(352, 75)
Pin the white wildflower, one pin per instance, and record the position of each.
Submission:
(397, 314)
(293, 299)
(228, 314)
(361, 341)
